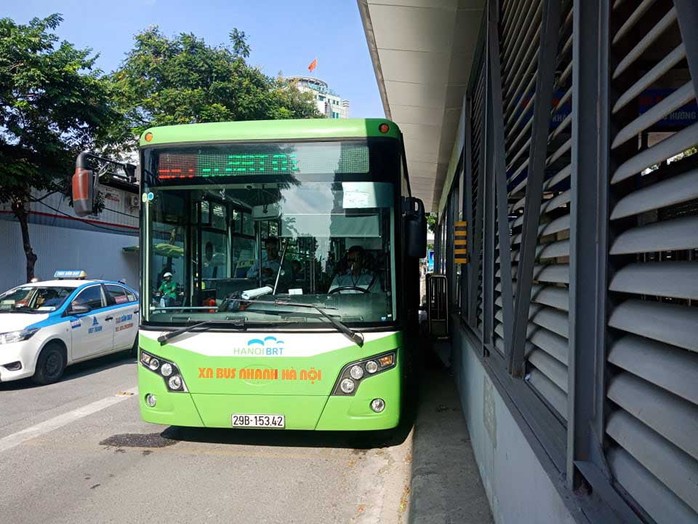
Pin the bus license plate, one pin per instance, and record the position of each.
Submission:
(258, 421)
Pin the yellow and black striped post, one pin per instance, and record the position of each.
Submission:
(460, 245)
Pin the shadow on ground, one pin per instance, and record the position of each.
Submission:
(81, 369)
(306, 439)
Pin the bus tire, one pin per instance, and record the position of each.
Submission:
(50, 364)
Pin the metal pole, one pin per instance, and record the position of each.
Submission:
(687, 14)
(547, 58)
(588, 234)
(500, 178)
(488, 214)
(281, 265)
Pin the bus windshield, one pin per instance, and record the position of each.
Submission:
(244, 231)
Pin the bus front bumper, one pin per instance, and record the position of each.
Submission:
(302, 412)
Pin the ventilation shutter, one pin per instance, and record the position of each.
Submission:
(652, 427)
(478, 123)
(547, 334)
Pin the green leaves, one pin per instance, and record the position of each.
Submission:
(52, 105)
(55, 104)
(183, 80)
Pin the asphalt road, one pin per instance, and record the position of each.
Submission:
(77, 451)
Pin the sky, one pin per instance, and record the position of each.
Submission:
(284, 35)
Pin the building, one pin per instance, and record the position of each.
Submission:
(562, 134)
(102, 245)
(328, 103)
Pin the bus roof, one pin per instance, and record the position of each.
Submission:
(315, 128)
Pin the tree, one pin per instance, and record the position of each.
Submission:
(53, 104)
(183, 80)
(432, 220)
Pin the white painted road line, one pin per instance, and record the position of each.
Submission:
(47, 426)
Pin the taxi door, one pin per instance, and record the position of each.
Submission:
(92, 333)
(124, 304)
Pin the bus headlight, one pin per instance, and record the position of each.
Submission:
(354, 373)
(347, 386)
(167, 370)
(378, 405)
(175, 382)
(371, 366)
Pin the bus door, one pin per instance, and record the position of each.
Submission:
(212, 247)
(266, 226)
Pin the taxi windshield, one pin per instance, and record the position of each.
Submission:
(34, 299)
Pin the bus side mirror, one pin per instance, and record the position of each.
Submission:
(83, 188)
(415, 222)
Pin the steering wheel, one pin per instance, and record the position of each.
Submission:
(347, 288)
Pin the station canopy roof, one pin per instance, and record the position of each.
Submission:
(422, 52)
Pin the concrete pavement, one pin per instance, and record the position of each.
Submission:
(446, 485)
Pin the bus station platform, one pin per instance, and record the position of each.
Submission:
(446, 486)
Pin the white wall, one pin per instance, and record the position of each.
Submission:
(518, 489)
(98, 253)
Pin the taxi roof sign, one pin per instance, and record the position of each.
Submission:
(78, 274)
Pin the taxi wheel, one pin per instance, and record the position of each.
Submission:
(133, 352)
(51, 364)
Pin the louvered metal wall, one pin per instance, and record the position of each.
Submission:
(653, 365)
(632, 274)
(546, 345)
(478, 158)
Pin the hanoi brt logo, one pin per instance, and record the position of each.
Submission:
(261, 347)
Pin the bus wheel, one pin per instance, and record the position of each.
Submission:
(50, 365)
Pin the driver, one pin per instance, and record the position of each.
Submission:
(357, 278)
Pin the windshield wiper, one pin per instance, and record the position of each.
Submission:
(238, 323)
(352, 335)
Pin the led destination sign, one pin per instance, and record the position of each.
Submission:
(287, 159)
(176, 165)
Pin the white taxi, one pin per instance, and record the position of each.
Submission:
(46, 326)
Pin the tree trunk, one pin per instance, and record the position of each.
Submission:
(22, 215)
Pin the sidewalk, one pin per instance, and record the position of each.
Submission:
(446, 485)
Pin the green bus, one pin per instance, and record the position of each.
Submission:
(279, 274)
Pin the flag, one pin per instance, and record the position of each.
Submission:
(312, 65)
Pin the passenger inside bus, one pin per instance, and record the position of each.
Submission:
(167, 290)
(209, 267)
(271, 264)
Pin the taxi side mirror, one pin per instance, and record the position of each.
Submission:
(78, 309)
